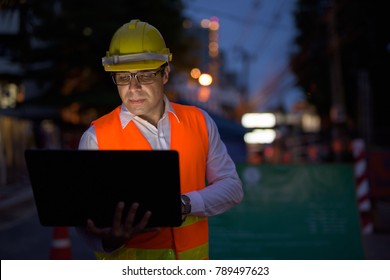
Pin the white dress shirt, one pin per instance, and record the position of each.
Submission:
(224, 188)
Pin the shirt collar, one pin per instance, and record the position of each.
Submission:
(125, 116)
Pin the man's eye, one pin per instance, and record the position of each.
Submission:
(122, 77)
(145, 75)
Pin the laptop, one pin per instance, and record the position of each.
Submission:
(71, 186)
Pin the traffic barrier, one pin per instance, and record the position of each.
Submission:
(61, 245)
(362, 185)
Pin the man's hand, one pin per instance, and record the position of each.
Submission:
(119, 233)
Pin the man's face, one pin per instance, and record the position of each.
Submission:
(145, 100)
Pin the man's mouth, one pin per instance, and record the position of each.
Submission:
(136, 101)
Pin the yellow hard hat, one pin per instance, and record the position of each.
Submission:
(136, 45)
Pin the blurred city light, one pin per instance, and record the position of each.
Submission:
(258, 120)
(214, 23)
(205, 79)
(8, 95)
(204, 94)
(311, 123)
(260, 136)
(205, 23)
(187, 24)
(195, 73)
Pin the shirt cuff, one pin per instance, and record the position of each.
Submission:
(197, 203)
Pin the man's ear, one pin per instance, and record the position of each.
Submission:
(167, 69)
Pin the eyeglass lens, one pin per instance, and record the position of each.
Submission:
(141, 77)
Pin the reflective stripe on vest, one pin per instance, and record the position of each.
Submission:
(138, 254)
(200, 252)
(189, 137)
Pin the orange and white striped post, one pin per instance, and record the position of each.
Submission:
(61, 245)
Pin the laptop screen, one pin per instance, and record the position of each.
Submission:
(71, 186)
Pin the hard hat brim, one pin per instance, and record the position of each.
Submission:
(134, 66)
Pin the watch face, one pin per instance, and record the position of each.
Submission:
(185, 199)
(186, 204)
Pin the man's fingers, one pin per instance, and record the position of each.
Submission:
(91, 228)
(117, 220)
(145, 219)
(119, 229)
(131, 216)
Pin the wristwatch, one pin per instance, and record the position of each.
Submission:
(186, 204)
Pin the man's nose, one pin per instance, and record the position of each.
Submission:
(134, 82)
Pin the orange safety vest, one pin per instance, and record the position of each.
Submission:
(189, 137)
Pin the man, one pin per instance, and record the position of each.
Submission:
(139, 63)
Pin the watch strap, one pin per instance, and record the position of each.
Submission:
(186, 202)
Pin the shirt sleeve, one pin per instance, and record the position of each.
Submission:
(88, 140)
(224, 189)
